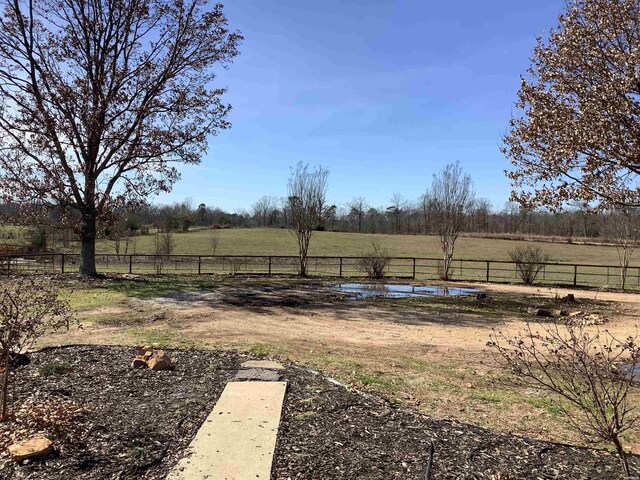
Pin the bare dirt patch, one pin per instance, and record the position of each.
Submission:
(429, 353)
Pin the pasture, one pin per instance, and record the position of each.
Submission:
(270, 241)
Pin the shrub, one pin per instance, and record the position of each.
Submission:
(529, 262)
(588, 373)
(29, 308)
(164, 244)
(374, 262)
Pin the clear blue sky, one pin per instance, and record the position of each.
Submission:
(383, 93)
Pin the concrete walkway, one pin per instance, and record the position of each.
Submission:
(238, 438)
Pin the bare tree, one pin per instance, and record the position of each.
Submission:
(214, 243)
(164, 244)
(588, 374)
(101, 98)
(120, 233)
(306, 189)
(262, 209)
(284, 205)
(481, 212)
(585, 211)
(185, 213)
(396, 209)
(624, 229)
(29, 308)
(577, 133)
(426, 210)
(357, 208)
(451, 198)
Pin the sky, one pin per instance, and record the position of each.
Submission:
(382, 93)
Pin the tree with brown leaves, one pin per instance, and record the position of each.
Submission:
(101, 99)
(576, 136)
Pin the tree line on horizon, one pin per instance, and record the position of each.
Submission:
(400, 217)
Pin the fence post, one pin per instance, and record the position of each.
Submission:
(488, 262)
(199, 265)
(62, 262)
(130, 264)
(575, 275)
(340, 274)
(414, 268)
(269, 265)
(8, 264)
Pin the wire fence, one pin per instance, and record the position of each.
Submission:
(498, 271)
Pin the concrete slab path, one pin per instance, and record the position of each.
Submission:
(266, 364)
(238, 438)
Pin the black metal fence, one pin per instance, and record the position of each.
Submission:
(498, 271)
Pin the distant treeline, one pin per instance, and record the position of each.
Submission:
(401, 217)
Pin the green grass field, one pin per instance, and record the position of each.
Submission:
(266, 241)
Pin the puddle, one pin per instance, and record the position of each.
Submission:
(367, 290)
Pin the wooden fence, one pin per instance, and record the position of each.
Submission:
(499, 271)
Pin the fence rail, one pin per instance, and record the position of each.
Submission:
(498, 271)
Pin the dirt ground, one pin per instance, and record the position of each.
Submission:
(428, 353)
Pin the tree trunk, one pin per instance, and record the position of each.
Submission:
(303, 243)
(447, 266)
(5, 385)
(622, 455)
(88, 241)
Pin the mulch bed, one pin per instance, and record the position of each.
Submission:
(110, 421)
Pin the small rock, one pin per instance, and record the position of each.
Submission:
(154, 359)
(159, 361)
(139, 362)
(33, 448)
(560, 313)
(539, 312)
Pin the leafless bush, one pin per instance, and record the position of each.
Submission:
(589, 376)
(237, 265)
(29, 308)
(624, 231)
(164, 244)
(374, 262)
(214, 243)
(529, 262)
